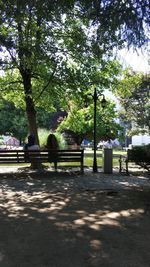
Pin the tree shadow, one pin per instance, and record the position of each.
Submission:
(50, 222)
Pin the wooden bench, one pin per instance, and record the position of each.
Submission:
(22, 156)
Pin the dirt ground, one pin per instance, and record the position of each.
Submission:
(52, 221)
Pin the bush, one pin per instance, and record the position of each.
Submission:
(141, 156)
(43, 134)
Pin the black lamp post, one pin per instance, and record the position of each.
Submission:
(103, 103)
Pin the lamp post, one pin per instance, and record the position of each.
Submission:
(103, 103)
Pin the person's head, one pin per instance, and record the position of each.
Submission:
(31, 140)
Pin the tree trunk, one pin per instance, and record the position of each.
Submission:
(31, 115)
(30, 109)
(31, 112)
(25, 68)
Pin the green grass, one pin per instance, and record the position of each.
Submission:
(88, 157)
(88, 160)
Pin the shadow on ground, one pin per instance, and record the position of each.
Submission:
(48, 222)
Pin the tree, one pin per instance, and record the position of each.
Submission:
(14, 122)
(44, 39)
(133, 92)
(80, 121)
(130, 26)
(26, 27)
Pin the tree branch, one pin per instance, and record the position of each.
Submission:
(44, 88)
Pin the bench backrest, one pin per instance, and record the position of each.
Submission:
(21, 156)
(12, 156)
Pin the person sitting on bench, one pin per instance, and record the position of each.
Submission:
(29, 147)
(52, 144)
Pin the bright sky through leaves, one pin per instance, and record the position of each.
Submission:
(137, 60)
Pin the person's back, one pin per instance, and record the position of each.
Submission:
(33, 147)
(52, 146)
(29, 147)
(31, 143)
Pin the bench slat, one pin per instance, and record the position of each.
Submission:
(21, 156)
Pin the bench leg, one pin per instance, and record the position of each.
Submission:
(120, 165)
(55, 165)
(82, 167)
(127, 169)
(82, 170)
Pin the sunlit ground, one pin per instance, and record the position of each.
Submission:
(65, 222)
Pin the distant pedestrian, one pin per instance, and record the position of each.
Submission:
(52, 145)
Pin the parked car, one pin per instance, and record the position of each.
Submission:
(86, 144)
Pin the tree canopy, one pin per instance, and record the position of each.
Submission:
(80, 121)
(14, 122)
(52, 46)
(134, 95)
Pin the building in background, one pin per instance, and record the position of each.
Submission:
(140, 140)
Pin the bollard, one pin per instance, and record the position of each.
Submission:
(107, 160)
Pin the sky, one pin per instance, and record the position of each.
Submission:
(137, 60)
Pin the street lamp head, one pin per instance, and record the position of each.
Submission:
(103, 102)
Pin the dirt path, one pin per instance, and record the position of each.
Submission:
(73, 221)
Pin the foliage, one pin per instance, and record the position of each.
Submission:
(49, 47)
(130, 25)
(43, 118)
(133, 92)
(13, 120)
(61, 140)
(141, 156)
(80, 121)
(43, 134)
(1, 140)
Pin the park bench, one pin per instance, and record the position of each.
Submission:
(125, 160)
(41, 156)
